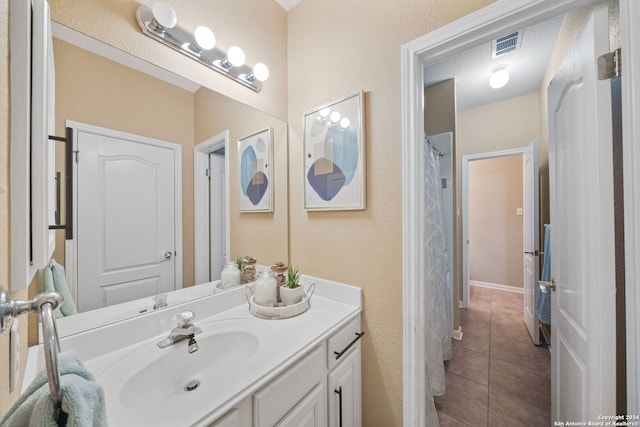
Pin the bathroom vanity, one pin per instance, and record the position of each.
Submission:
(304, 370)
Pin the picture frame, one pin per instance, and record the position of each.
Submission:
(255, 158)
(334, 156)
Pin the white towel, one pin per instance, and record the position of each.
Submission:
(82, 399)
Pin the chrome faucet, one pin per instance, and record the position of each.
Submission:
(185, 329)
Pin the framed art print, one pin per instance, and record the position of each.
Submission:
(334, 163)
(256, 177)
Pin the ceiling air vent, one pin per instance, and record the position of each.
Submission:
(506, 44)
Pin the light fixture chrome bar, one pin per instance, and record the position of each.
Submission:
(181, 40)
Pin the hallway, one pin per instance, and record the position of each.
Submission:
(496, 377)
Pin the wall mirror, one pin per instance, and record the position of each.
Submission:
(97, 86)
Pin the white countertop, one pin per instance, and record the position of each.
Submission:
(282, 342)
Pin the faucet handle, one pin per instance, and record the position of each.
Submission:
(185, 318)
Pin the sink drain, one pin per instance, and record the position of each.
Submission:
(192, 385)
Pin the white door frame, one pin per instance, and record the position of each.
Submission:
(71, 246)
(465, 211)
(483, 25)
(201, 202)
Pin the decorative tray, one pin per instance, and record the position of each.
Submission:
(280, 311)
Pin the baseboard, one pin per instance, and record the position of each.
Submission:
(496, 286)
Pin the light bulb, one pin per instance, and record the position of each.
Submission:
(499, 77)
(325, 112)
(345, 122)
(335, 117)
(163, 17)
(235, 56)
(261, 72)
(205, 38)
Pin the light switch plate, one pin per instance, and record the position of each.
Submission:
(518, 211)
(14, 356)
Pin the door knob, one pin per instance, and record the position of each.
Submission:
(168, 255)
(544, 286)
(532, 252)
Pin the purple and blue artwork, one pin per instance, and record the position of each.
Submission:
(336, 168)
(253, 181)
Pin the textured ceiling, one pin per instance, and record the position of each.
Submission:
(472, 68)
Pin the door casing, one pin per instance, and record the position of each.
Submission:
(484, 25)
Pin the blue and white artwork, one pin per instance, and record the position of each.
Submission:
(256, 186)
(334, 156)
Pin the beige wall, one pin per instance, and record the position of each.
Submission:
(495, 230)
(337, 48)
(263, 235)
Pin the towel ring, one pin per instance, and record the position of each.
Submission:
(42, 304)
(51, 350)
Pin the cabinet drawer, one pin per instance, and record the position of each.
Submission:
(341, 340)
(276, 399)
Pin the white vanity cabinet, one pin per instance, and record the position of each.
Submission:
(322, 388)
(344, 377)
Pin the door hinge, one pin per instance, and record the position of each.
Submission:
(207, 173)
(77, 153)
(610, 65)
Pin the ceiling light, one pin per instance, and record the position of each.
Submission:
(335, 117)
(345, 122)
(499, 77)
(325, 112)
(163, 17)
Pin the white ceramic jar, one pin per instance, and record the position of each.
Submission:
(230, 275)
(265, 289)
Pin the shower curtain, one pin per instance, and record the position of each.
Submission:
(437, 289)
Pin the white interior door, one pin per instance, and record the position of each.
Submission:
(582, 248)
(125, 219)
(217, 220)
(531, 227)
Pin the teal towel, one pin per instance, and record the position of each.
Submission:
(45, 284)
(82, 399)
(60, 283)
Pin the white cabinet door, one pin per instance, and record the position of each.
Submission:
(308, 413)
(240, 416)
(345, 407)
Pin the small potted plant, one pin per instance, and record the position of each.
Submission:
(292, 292)
(279, 271)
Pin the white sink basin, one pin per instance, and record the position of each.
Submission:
(150, 378)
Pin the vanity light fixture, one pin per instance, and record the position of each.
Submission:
(160, 23)
(203, 39)
(499, 77)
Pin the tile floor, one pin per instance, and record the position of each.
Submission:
(497, 377)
